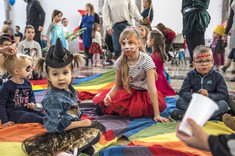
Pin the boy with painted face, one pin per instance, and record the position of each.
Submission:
(134, 93)
(204, 80)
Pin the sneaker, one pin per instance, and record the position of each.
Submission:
(177, 114)
(224, 69)
(229, 121)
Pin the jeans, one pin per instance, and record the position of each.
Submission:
(183, 104)
(118, 28)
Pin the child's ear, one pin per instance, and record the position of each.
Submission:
(194, 66)
(16, 71)
(72, 72)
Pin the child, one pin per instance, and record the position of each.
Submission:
(4, 42)
(18, 33)
(17, 99)
(204, 80)
(65, 129)
(218, 46)
(31, 48)
(143, 30)
(64, 22)
(55, 30)
(134, 92)
(6, 33)
(157, 43)
(96, 46)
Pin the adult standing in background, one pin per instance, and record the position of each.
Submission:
(35, 16)
(117, 15)
(147, 13)
(231, 26)
(195, 22)
(88, 19)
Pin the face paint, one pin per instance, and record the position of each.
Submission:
(129, 46)
(202, 55)
(28, 68)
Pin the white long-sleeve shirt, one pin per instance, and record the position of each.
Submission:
(97, 38)
(115, 11)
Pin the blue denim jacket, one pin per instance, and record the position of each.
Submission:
(61, 107)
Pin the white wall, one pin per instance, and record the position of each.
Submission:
(165, 11)
(168, 13)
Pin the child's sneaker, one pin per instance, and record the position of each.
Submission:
(177, 114)
(229, 121)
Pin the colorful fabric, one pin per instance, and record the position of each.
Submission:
(136, 104)
(142, 136)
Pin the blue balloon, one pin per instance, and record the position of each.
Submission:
(12, 2)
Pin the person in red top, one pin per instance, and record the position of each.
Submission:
(169, 35)
(156, 42)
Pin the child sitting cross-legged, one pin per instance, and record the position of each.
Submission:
(204, 80)
(65, 129)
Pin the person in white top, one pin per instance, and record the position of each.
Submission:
(64, 22)
(117, 15)
(30, 47)
(134, 93)
(96, 46)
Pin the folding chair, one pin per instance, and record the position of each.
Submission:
(176, 46)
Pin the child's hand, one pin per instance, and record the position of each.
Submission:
(198, 140)
(86, 122)
(48, 44)
(107, 100)
(203, 92)
(8, 124)
(224, 38)
(30, 105)
(161, 119)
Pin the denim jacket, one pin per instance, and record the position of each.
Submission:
(213, 82)
(61, 107)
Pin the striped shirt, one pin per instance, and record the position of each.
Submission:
(137, 73)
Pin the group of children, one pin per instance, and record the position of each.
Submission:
(139, 90)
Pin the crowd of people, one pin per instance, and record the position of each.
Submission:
(140, 81)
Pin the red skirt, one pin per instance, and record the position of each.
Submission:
(95, 48)
(137, 104)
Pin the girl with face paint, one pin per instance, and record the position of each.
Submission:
(17, 101)
(134, 93)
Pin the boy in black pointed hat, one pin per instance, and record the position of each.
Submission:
(62, 115)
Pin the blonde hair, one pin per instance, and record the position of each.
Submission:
(158, 44)
(94, 29)
(5, 29)
(201, 50)
(92, 8)
(128, 32)
(9, 63)
(146, 30)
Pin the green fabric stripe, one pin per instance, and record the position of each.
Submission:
(105, 78)
(156, 129)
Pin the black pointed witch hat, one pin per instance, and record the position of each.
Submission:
(58, 56)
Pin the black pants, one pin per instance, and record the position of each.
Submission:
(37, 37)
(232, 55)
(194, 40)
(87, 56)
